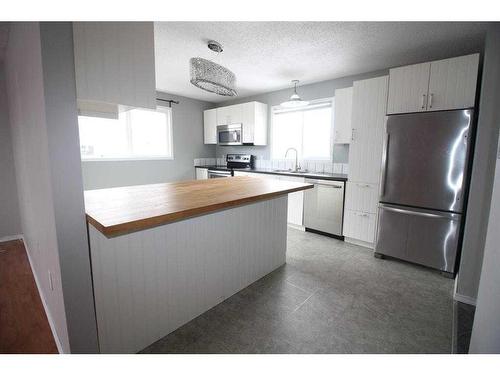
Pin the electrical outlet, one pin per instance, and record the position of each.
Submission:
(51, 283)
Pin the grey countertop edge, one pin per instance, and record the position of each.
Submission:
(319, 176)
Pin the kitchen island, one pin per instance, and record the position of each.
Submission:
(163, 254)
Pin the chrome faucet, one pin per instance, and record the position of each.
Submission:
(297, 166)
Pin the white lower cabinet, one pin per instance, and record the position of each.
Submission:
(249, 174)
(201, 173)
(295, 200)
(362, 197)
(360, 226)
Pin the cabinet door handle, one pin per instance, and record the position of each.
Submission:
(423, 101)
(362, 215)
(431, 96)
(352, 134)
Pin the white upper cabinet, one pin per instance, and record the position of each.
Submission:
(232, 114)
(434, 86)
(254, 120)
(252, 116)
(115, 63)
(452, 83)
(342, 115)
(210, 126)
(408, 86)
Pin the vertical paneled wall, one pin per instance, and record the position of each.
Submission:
(149, 283)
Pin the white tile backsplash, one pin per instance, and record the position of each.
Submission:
(316, 166)
(345, 168)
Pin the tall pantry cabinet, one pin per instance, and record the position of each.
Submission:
(365, 159)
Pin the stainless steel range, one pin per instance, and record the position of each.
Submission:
(233, 161)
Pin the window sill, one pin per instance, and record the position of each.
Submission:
(128, 159)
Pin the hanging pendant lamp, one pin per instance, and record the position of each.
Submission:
(212, 77)
(295, 100)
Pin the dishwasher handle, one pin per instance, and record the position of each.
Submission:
(327, 183)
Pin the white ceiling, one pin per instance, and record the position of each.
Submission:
(266, 56)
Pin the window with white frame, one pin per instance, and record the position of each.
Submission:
(136, 134)
(307, 129)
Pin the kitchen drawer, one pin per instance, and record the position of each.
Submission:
(360, 225)
(362, 197)
(419, 236)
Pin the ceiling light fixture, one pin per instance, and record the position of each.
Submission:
(295, 100)
(212, 77)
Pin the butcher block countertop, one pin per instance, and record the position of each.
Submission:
(121, 210)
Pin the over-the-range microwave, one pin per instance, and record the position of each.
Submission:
(230, 135)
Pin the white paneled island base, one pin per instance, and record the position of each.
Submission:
(150, 282)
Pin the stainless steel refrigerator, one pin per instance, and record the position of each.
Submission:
(423, 185)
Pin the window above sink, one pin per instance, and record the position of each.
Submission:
(307, 129)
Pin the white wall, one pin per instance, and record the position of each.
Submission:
(25, 92)
(486, 330)
(67, 185)
(187, 129)
(43, 117)
(483, 168)
(10, 223)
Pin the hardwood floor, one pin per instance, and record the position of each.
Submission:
(24, 327)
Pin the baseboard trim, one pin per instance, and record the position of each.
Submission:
(11, 238)
(461, 298)
(47, 312)
(464, 299)
(354, 241)
(295, 226)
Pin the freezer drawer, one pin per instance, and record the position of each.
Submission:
(324, 205)
(420, 236)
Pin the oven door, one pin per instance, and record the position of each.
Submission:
(218, 174)
(228, 135)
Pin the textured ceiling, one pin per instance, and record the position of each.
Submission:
(266, 56)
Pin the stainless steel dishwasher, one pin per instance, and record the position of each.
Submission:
(324, 207)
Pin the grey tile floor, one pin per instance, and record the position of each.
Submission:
(330, 297)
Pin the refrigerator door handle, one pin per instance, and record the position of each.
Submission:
(384, 165)
(445, 215)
